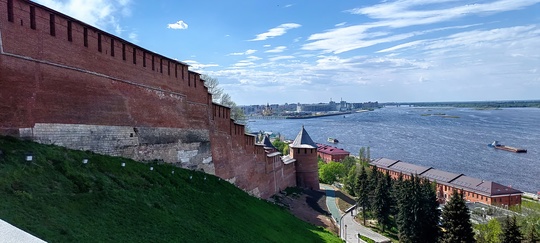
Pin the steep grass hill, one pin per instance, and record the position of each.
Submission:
(58, 198)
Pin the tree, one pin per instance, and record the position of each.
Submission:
(456, 220)
(281, 146)
(429, 212)
(328, 173)
(417, 217)
(532, 235)
(351, 180)
(362, 192)
(220, 97)
(488, 233)
(383, 201)
(348, 162)
(213, 87)
(510, 231)
(406, 219)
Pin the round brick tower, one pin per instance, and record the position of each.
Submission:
(304, 151)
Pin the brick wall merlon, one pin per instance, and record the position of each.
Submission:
(51, 29)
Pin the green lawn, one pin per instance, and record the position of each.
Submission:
(59, 199)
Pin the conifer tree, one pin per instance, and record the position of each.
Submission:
(373, 181)
(396, 193)
(407, 211)
(456, 220)
(429, 212)
(362, 192)
(382, 201)
(510, 231)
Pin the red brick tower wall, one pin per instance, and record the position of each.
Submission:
(307, 174)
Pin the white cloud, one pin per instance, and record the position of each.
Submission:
(198, 67)
(278, 58)
(274, 32)
(277, 49)
(134, 37)
(340, 24)
(247, 52)
(400, 14)
(267, 45)
(99, 13)
(180, 25)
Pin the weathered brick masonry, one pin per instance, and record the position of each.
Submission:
(67, 83)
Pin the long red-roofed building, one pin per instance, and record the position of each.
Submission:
(474, 190)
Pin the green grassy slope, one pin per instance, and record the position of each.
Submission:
(59, 199)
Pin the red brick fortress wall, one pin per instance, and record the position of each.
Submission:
(56, 61)
(67, 83)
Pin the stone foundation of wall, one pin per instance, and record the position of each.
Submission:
(186, 148)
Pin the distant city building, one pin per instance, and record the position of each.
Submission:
(330, 153)
(474, 190)
(286, 109)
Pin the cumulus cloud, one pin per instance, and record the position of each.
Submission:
(180, 25)
(99, 13)
(277, 31)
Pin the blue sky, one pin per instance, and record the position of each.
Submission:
(313, 51)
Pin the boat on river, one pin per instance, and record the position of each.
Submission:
(497, 145)
(333, 140)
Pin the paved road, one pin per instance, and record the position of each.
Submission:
(348, 227)
(331, 202)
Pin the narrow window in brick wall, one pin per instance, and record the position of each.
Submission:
(176, 70)
(99, 42)
(153, 63)
(124, 51)
(195, 81)
(52, 24)
(134, 55)
(169, 68)
(161, 65)
(112, 47)
(10, 10)
(70, 32)
(85, 37)
(144, 59)
(33, 17)
(189, 80)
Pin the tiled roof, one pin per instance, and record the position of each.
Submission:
(384, 162)
(440, 176)
(409, 169)
(327, 149)
(303, 140)
(266, 143)
(484, 187)
(460, 181)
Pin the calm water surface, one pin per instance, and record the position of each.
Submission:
(457, 145)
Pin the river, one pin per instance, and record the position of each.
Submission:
(454, 142)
